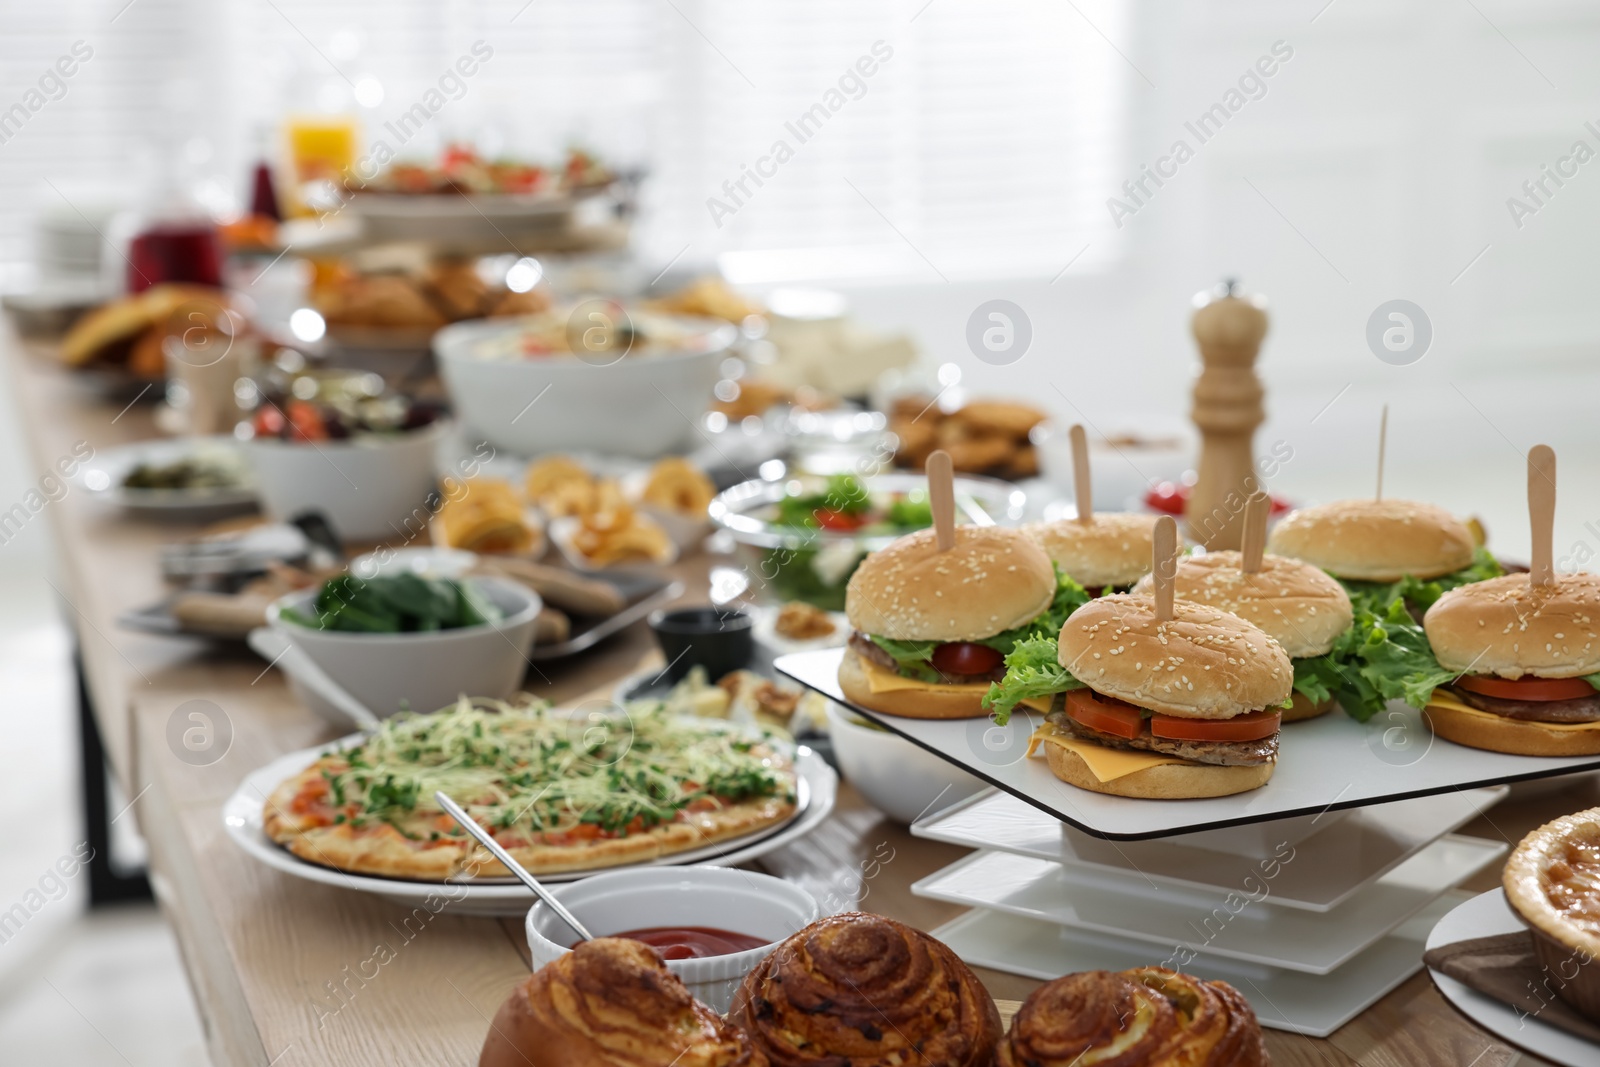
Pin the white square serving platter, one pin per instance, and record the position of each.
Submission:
(1325, 764)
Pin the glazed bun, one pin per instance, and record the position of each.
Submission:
(1508, 628)
(1495, 733)
(928, 702)
(1106, 550)
(992, 580)
(1298, 605)
(611, 1001)
(1146, 1017)
(1169, 781)
(1202, 664)
(862, 989)
(1375, 540)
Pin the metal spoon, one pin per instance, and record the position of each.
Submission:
(455, 811)
(280, 649)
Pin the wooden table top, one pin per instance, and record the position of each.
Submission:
(284, 970)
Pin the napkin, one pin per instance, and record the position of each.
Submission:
(1504, 968)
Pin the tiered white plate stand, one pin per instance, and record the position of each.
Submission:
(1313, 895)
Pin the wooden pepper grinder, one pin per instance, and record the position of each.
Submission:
(1229, 327)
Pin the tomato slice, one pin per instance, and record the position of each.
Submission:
(1104, 714)
(1249, 727)
(830, 519)
(965, 657)
(1532, 689)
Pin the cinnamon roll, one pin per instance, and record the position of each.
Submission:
(854, 990)
(611, 1003)
(1149, 1017)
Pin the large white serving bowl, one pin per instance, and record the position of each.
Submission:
(372, 487)
(645, 404)
(900, 779)
(421, 671)
(723, 898)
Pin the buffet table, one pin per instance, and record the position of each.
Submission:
(281, 968)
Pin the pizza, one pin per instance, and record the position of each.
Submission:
(559, 791)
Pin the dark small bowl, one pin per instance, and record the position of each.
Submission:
(718, 639)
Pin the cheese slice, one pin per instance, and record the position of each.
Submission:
(1442, 699)
(1106, 764)
(882, 681)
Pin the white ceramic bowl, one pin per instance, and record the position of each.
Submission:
(897, 777)
(1158, 450)
(645, 404)
(425, 671)
(723, 898)
(371, 488)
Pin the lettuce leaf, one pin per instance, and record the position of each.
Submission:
(1070, 596)
(910, 656)
(1032, 671)
(1593, 679)
(1377, 596)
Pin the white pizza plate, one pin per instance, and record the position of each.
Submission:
(1488, 915)
(1332, 862)
(1312, 1004)
(1326, 764)
(1236, 925)
(102, 477)
(241, 815)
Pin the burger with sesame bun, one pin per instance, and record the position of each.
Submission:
(1099, 553)
(1524, 663)
(1296, 604)
(1386, 549)
(1138, 707)
(931, 629)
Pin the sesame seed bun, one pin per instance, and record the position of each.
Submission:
(1296, 604)
(1112, 549)
(1509, 629)
(992, 580)
(1202, 664)
(1375, 540)
(1170, 781)
(929, 703)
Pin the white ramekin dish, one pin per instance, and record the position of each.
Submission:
(423, 671)
(900, 779)
(723, 898)
(372, 487)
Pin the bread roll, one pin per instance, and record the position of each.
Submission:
(862, 989)
(611, 1003)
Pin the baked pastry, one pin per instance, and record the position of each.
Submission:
(677, 485)
(484, 515)
(611, 1003)
(1149, 1017)
(862, 989)
(1552, 882)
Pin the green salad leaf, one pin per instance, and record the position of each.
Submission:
(910, 656)
(1376, 596)
(1032, 671)
(397, 603)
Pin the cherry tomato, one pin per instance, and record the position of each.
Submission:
(1250, 727)
(1104, 714)
(307, 421)
(269, 422)
(1532, 689)
(829, 519)
(965, 657)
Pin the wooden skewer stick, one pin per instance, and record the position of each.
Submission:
(942, 499)
(1383, 440)
(1164, 566)
(1081, 485)
(1542, 513)
(1256, 510)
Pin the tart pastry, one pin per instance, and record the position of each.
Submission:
(1149, 1017)
(1552, 882)
(857, 989)
(611, 1003)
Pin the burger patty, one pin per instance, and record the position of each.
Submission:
(1579, 709)
(868, 649)
(1216, 753)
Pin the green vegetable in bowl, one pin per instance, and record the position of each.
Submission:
(394, 604)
